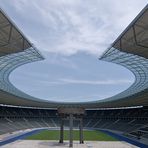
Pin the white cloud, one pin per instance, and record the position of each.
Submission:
(96, 82)
(68, 27)
(64, 81)
(83, 98)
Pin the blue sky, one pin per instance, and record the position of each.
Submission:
(72, 34)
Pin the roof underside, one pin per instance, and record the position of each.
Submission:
(129, 50)
(11, 39)
(135, 38)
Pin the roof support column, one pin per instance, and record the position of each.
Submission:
(81, 131)
(71, 130)
(61, 131)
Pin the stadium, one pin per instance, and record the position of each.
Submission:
(121, 120)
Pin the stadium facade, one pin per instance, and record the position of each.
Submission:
(23, 111)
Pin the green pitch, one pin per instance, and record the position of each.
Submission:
(88, 135)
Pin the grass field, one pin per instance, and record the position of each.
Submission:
(88, 135)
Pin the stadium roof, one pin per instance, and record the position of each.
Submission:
(11, 39)
(134, 39)
(129, 50)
